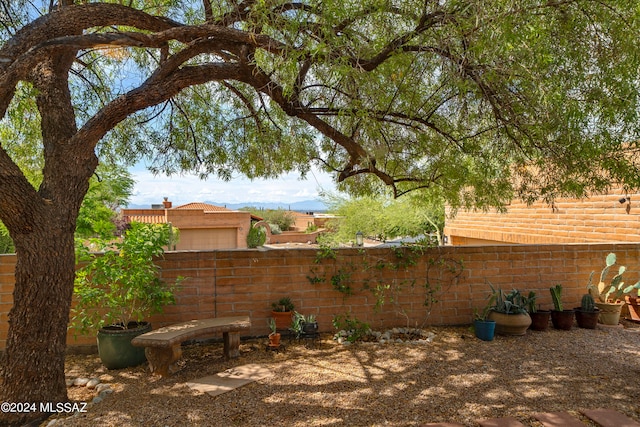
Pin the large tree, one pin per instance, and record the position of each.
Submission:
(485, 100)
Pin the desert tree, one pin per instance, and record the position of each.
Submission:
(484, 101)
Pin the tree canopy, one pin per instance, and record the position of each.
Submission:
(485, 101)
(481, 101)
(384, 218)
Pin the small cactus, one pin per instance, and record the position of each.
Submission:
(556, 295)
(588, 304)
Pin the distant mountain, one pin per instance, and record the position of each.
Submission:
(303, 206)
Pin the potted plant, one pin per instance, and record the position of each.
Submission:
(274, 336)
(304, 326)
(509, 312)
(297, 320)
(116, 291)
(309, 325)
(608, 297)
(282, 312)
(539, 318)
(483, 327)
(633, 305)
(560, 318)
(587, 314)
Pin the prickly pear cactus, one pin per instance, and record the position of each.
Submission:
(616, 289)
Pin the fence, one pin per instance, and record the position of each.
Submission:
(382, 286)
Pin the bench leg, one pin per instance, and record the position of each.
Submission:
(231, 344)
(161, 359)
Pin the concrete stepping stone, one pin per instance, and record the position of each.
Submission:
(501, 422)
(610, 418)
(230, 379)
(557, 419)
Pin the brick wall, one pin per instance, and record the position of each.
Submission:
(600, 218)
(245, 282)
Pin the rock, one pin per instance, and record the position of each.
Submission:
(104, 393)
(97, 399)
(69, 382)
(101, 387)
(93, 382)
(81, 381)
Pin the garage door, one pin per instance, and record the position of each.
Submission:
(216, 238)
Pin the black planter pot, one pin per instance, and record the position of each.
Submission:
(115, 349)
(587, 319)
(310, 328)
(562, 320)
(540, 320)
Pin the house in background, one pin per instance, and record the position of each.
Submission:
(305, 229)
(202, 226)
(612, 217)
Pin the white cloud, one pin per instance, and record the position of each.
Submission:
(288, 188)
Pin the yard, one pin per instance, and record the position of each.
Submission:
(455, 378)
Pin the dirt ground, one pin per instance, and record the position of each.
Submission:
(455, 378)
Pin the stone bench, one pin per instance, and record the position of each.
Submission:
(162, 346)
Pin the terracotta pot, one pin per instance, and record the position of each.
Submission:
(540, 320)
(282, 318)
(609, 312)
(510, 324)
(562, 320)
(633, 304)
(274, 339)
(587, 319)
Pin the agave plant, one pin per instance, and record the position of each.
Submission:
(512, 303)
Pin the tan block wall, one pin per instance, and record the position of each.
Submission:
(302, 221)
(598, 219)
(294, 237)
(246, 282)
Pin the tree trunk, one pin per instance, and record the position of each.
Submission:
(36, 345)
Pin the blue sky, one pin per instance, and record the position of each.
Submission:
(188, 188)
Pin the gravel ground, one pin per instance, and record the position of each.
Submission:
(455, 378)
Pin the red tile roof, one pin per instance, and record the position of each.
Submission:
(203, 206)
(147, 219)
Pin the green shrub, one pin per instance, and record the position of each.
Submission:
(123, 285)
(256, 237)
(283, 219)
(275, 229)
(354, 328)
